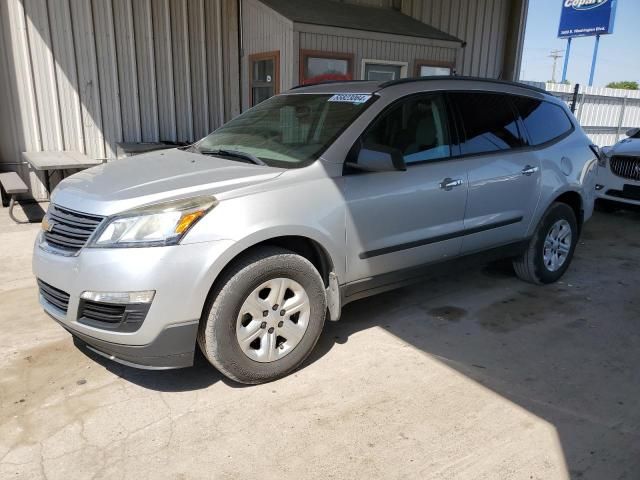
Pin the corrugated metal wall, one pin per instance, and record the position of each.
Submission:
(480, 23)
(86, 74)
(374, 48)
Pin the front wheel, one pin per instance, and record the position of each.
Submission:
(551, 248)
(264, 317)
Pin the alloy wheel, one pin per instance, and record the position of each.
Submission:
(273, 320)
(557, 245)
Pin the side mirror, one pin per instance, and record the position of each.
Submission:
(378, 158)
(633, 132)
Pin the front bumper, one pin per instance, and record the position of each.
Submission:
(181, 276)
(613, 187)
(173, 348)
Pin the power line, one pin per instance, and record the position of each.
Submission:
(555, 54)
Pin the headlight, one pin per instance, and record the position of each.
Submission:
(154, 225)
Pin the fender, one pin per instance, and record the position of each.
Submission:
(237, 248)
(552, 198)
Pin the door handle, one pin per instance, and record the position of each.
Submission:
(529, 170)
(448, 183)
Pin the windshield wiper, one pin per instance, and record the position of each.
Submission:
(235, 154)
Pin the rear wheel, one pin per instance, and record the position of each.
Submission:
(551, 248)
(264, 317)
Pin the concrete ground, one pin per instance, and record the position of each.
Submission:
(475, 376)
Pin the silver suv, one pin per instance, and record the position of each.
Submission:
(244, 242)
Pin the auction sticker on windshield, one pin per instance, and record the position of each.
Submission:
(350, 98)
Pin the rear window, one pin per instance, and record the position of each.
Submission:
(489, 123)
(544, 121)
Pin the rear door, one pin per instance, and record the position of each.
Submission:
(504, 175)
(401, 219)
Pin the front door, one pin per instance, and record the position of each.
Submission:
(398, 220)
(264, 76)
(504, 177)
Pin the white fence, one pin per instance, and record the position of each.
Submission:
(604, 113)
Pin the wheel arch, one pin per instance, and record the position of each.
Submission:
(301, 244)
(304, 246)
(574, 200)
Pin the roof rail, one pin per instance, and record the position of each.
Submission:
(458, 77)
(327, 82)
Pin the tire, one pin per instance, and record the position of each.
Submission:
(263, 273)
(531, 266)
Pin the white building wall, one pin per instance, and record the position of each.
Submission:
(371, 46)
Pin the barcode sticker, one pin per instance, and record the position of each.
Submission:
(350, 97)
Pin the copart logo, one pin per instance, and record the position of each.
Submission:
(584, 4)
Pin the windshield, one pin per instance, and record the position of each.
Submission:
(287, 130)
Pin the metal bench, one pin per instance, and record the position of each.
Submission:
(13, 185)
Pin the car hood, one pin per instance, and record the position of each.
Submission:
(155, 177)
(628, 146)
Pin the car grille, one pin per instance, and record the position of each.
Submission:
(124, 318)
(69, 230)
(54, 296)
(102, 312)
(626, 167)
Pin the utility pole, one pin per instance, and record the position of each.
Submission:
(555, 54)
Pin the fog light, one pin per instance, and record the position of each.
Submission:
(145, 296)
(599, 187)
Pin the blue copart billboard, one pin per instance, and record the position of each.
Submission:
(581, 18)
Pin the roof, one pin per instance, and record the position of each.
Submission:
(362, 86)
(341, 86)
(356, 17)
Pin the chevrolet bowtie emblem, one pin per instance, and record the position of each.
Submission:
(47, 225)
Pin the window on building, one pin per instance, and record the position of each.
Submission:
(264, 76)
(417, 126)
(489, 122)
(544, 121)
(383, 71)
(426, 68)
(324, 66)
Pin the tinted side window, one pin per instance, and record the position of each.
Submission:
(544, 121)
(489, 122)
(417, 126)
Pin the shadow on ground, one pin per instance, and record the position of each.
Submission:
(568, 352)
(201, 375)
(30, 212)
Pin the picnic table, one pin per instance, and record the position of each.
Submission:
(48, 162)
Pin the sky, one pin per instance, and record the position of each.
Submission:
(618, 57)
